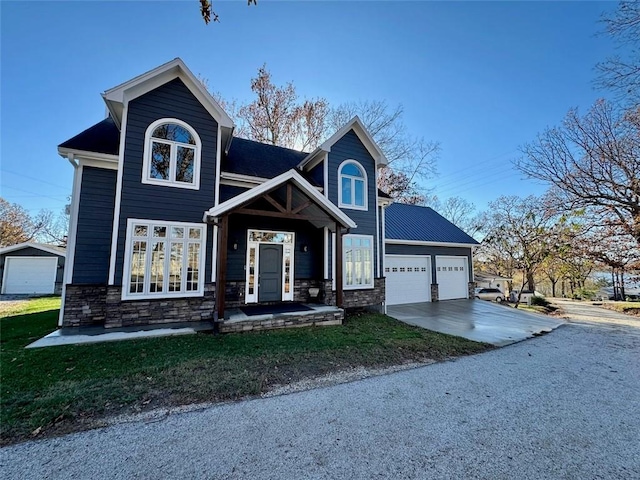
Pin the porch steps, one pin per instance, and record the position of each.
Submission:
(318, 315)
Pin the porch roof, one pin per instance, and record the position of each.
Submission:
(320, 202)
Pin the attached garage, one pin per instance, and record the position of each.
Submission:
(427, 258)
(408, 279)
(452, 276)
(31, 269)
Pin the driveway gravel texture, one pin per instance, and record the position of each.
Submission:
(563, 405)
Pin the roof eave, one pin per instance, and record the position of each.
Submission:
(38, 246)
(116, 97)
(290, 175)
(400, 241)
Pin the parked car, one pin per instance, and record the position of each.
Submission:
(490, 294)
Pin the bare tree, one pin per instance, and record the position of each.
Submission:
(17, 226)
(592, 162)
(277, 116)
(459, 211)
(616, 250)
(207, 13)
(621, 73)
(411, 160)
(523, 233)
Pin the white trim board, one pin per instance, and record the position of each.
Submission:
(291, 175)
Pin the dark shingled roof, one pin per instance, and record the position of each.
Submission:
(247, 157)
(103, 137)
(423, 224)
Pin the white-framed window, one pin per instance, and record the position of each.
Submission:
(352, 188)
(163, 259)
(172, 151)
(358, 261)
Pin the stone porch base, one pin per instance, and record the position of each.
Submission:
(320, 315)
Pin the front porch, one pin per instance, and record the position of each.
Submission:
(306, 315)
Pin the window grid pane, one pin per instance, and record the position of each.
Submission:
(160, 160)
(193, 266)
(359, 193)
(185, 161)
(138, 261)
(346, 191)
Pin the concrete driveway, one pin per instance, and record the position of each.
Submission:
(476, 320)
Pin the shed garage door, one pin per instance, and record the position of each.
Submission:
(407, 279)
(29, 275)
(452, 276)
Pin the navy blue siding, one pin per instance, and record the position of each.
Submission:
(396, 249)
(307, 265)
(155, 202)
(350, 147)
(95, 224)
(316, 174)
(229, 191)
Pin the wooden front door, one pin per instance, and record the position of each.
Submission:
(270, 273)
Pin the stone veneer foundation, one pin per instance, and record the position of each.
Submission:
(99, 305)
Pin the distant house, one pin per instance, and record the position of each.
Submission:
(489, 280)
(31, 268)
(174, 219)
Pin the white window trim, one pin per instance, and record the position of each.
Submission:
(146, 162)
(350, 206)
(126, 270)
(364, 286)
(253, 298)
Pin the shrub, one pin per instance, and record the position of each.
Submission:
(540, 301)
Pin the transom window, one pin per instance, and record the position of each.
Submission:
(163, 259)
(172, 154)
(358, 261)
(353, 186)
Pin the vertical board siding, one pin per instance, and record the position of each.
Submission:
(350, 147)
(95, 223)
(157, 202)
(397, 249)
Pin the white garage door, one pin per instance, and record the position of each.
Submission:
(29, 275)
(452, 276)
(407, 279)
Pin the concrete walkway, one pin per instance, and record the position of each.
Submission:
(476, 320)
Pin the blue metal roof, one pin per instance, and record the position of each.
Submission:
(421, 224)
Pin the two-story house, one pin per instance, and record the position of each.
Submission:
(174, 219)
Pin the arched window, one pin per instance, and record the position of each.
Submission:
(172, 154)
(352, 190)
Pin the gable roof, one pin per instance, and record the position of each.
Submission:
(363, 134)
(416, 224)
(103, 137)
(60, 251)
(291, 175)
(116, 97)
(248, 157)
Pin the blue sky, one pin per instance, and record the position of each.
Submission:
(481, 78)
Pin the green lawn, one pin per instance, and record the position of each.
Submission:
(54, 390)
(630, 308)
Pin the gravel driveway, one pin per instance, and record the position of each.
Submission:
(564, 405)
